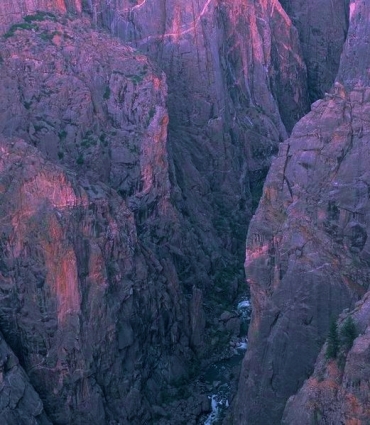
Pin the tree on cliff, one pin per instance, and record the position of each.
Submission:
(348, 333)
(333, 341)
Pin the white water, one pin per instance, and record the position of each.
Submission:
(244, 304)
(242, 345)
(219, 401)
(214, 414)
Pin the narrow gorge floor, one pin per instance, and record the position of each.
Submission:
(206, 399)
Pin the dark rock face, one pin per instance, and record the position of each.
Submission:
(307, 249)
(74, 281)
(97, 318)
(19, 402)
(338, 390)
(140, 230)
(124, 208)
(237, 84)
(322, 27)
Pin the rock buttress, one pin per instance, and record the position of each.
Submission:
(307, 249)
(92, 303)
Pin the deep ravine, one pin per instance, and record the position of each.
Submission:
(136, 138)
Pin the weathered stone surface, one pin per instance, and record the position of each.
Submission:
(13, 11)
(322, 27)
(19, 402)
(307, 249)
(82, 283)
(78, 295)
(338, 390)
(105, 271)
(236, 84)
(89, 103)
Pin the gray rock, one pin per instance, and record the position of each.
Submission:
(315, 202)
(338, 389)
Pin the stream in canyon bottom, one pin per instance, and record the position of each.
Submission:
(219, 374)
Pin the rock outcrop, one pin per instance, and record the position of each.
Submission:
(91, 303)
(19, 402)
(124, 206)
(338, 390)
(12, 12)
(88, 103)
(308, 248)
(322, 27)
(228, 103)
(89, 312)
(236, 84)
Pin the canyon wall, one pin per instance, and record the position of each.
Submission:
(98, 320)
(236, 86)
(128, 184)
(322, 27)
(338, 390)
(307, 249)
(152, 228)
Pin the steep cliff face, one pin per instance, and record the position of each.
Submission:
(237, 84)
(106, 267)
(229, 66)
(229, 106)
(20, 403)
(322, 27)
(307, 249)
(94, 312)
(338, 390)
(93, 317)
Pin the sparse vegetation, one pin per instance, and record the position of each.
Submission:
(62, 134)
(136, 79)
(340, 342)
(333, 341)
(103, 139)
(106, 95)
(30, 25)
(27, 105)
(348, 333)
(151, 112)
(40, 16)
(80, 159)
(22, 26)
(48, 36)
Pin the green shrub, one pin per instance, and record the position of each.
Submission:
(48, 36)
(333, 341)
(80, 159)
(348, 333)
(106, 95)
(40, 16)
(62, 134)
(137, 79)
(27, 105)
(23, 26)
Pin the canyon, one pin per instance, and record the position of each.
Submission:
(136, 137)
